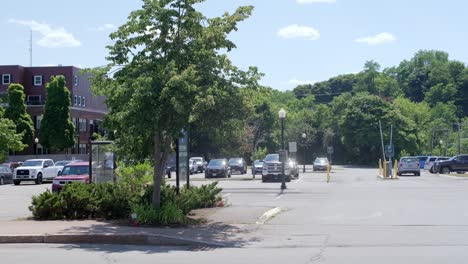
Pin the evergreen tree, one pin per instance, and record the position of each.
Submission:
(57, 130)
(16, 112)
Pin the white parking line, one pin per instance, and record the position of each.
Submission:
(298, 180)
(279, 197)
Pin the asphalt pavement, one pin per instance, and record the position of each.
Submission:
(356, 218)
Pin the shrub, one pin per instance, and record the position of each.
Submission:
(46, 206)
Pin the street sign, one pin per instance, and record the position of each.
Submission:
(330, 150)
(293, 147)
(390, 150)
(182, 159)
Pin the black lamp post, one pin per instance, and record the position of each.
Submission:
(282, 116)
(36, 141)
(304, 137)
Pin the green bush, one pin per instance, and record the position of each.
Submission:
(118, 200)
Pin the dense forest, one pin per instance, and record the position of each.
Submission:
(423, 98)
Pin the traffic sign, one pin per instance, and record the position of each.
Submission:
(390, 150)
(293, 147)
(330, 150)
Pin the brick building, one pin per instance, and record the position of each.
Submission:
(85, 108)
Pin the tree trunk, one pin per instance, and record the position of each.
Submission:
(162, 146)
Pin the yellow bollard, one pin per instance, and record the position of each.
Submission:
(380, 167)
(328, 173)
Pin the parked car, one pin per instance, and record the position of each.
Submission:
(60, 164)
(321, 164)
(458, 164)
(238, 165)
(430, 162)
(257, 167)
(409, 165)
(71, 173)
(422, 161)
(273, 169)
(13, 165)
(200, 164)
(218, 168)
(294, 170)
(192, 165)
(6, 175)
(37, 170)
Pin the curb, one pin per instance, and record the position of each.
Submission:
(108, 238)
(383, 178)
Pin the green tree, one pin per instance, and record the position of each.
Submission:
(16, 112)
(9, 139)
(176, 72)
(57, 130)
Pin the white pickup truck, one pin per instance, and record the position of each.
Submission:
(36, 170)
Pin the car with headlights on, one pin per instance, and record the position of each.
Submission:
(218, 168)
(75, 172)
(321, 164)
(238, 165)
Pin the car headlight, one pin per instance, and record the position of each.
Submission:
(32, 172)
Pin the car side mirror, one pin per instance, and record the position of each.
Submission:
(45, 166)
(59, 173)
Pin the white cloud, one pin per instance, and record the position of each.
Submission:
(296, 31)
(300, 82)
(378, 39)
(105, 27)
(315, 1)
(56, 37)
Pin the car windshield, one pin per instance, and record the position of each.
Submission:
(235, 161)
(408, 160)
(61, 163)
(272, 157)
(197, 159)
(432, 159)
(217, 162)
(321, 161)
(32, 163)
(423, 158)
(75, 170)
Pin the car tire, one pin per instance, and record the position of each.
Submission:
(445, 170)
(460, 172)
(2, 181)
(16, 182)
(431, 170)
(39, 179)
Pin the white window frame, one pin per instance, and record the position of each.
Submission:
(75, 80)
(83, 101)
(75, 100)
(38, 96)
(79, 100)
(37, 80)
(82, 125)
(3, 78)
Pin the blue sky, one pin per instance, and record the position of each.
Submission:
(291, 41)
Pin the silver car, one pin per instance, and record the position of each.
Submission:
(321, 164)
(409, 165)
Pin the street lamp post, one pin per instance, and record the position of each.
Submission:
(282, 116)
(304, 137)
(36, 141)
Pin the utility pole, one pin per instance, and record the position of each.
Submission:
(381, 139)
(459, 137)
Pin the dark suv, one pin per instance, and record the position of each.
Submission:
(238, 165)
(457, 164)
(218, 168)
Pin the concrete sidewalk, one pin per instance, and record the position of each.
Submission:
(210, 234)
